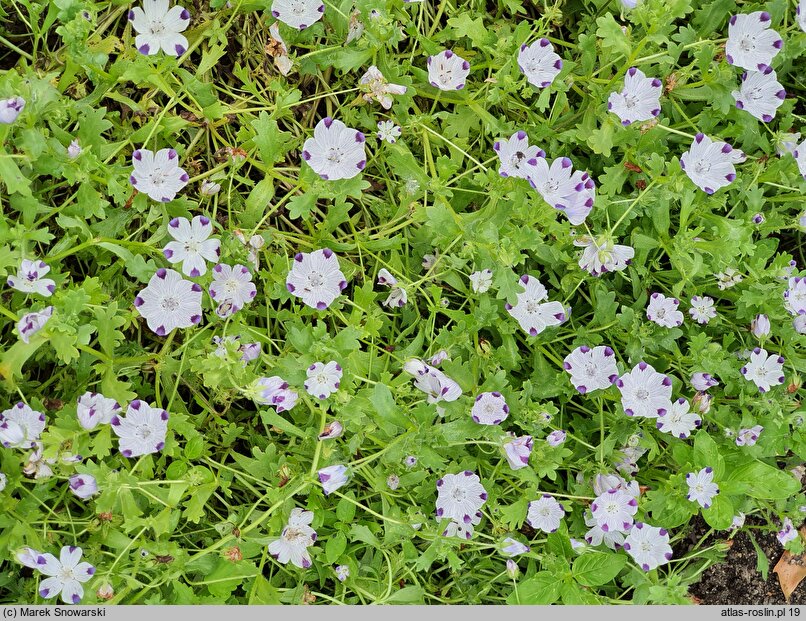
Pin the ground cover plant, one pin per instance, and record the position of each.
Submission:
(384, 302)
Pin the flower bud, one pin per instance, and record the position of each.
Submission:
(760, 326)
(105, 592)
(702, 402)
(512, 569)
(209, 188)
(393, 482)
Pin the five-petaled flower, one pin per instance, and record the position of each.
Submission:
(545, 514)
(94, 409)
(159, 27)
(29, 278)
(332, 478)
(516, 155)
(614, 509)
(663, 311)
(169, 301)
(65, 575)
(232, 288)
(702, 309)
(639, 100)
(679, 421)
(274, 391)
(298, 13)
(31, 323)
(517, 451)
(648, 546)
(490, 408)
(591, 369)
(10, 109)
(316, 278)
(447, 71)
(709, 163)
(763, 369)
(294, 541)
(142, 431)
(192, 246)
(760, 94)
(158, 174)
(531, 310)
(21, 426)
(323, 379)
(460, 496)
(335, 151)
(645, 392)
(752, 44)
(539, 63)
(701, 487)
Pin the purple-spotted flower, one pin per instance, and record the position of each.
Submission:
(602, 255)
(31, 323)
(752, 44)
(142, 431)
(702, 309)
(31, 558)
(232, 288)
(335, 151)
(795, 296)
(158, 174)
(603, 482)
(388, 131)
(459, 497)
(648, 546)
(248, 351)
(298, 13)
(763, 369)
(613, 539)
(316, 278)
(83, 485)
(294, 541)
(481, 281)
(516, 156)
(568, 190)
(517, 451)
(645, 392)
(10, 109)
(760, 326)
(614, 509)
(94, 409)
(447, 71)
(169, 301)
(664, 311)
(545, 514)
(274, 391)
(191, 246)
(29, 278)
(463, 530)
(379, 88)
(332, 430)
(531, 311)
(556, 437)
(760, 94)
(591, 369)
(438, 358)
(20, 426)
(332, 477)
(539, 63)
(490, 408)
(639, 100)
(748, 437)
(65, 575)
(787, 533)
(342, 572)
(727, 279)
(709, 163)
(703, 381)
(324, 379)
(800, 158)
(159, 27)
(513, 547)
(679, 421)
(432, 381)
(701, 487)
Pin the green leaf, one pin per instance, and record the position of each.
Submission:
(335, 547)
(763, 481)
(597, 568)
(720, 514)
(542, 588)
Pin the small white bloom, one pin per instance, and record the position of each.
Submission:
(94, 409)
(645, 392)
(639, 100)
(664, 311)
(709, 163)
(397, 298)
(65, 575)
(513, 547)
(158, 174)
(159, 27)
(3, 481)
(795, 296)
(169, 302)
(209, 188)
(515, 155)
(142, 431)
(490, 408)
(702, 309)
(648, 546)
(389, 131)
(545, 514)
(462, 530)
(517, 451)
(703, 381)
(10, 109)
(332, 430)
(298, 13)
(393, 482)
(752, 44)
(192, 246)
(73, 149)
(800, 159)
(748, 437)
(83, 485)
(591, 369)
(481, 281)
(379, 88)
(232, 288)
(278, 50)
(335, 151)
(571, 191)
(447, 71)
(460, 496)
(316, 278)
(432, 381)
(613, 539)
(679, 421)
(787, 533)
(764, 370)
(601, 255)
(29, 278)
(31, 323)
(555, 438)
(342, 573)
(760, 94)
(274, 391)
(332, 478)
(531, 311)
(294, 541)
(760, 326)
(701, 488)
(324, 379)
(727, 279)
(20, 426)
(539, 63)
(738, 522)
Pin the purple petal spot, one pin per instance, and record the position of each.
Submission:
(565, 162)
(448, 54)
(781, 94)
(275, 13)
(659, 425)
(359, 137)
(619, 383)
(780, 359)
(321, 8)
(756, 350)
(667, 556)
(131, 16)
(440, 511)
(732, 20)
(709, 190)
(327, 121)
(496, 146)
(126, 453)
(626, 546)
(303, 26)
(483, 495)
(626, 122)
(642, 365)
(699, 138)
(631, 71)
(323, 477)
(361, 164)
(644, 566)
(180, 49)
(44, 593)
(496, 394)
(160, 331)
(298, 257)
(609, 106)
(656, 82)
(184, 178)
(327, 252)
(160, 446)
(168, 253)
(582, 389)
(91, 571)
(521, 135)
(639, 525)
(612, 378)
(144, 49)
(138, 301)
(764, 17)
(196, 287)
(766, 118)
(440, 482)
(655, 112)
(543, 42)
(467, 473)
(508, 306)
(164, 415)
(567, 366)
(739, 105)
(667, 381)
(730, 59)
(523, 45)
(184, 15)
(162, 273)
(114, 421)
(629, 412)
(661, 412)
(778, 44)
(605, 528)
(171, 154)
(342, 285)
(321, 306)
(730, 177)
(726, 148)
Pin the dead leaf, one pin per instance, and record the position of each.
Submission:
(791, 570)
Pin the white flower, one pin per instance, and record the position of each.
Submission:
(663, 311)
(393, 482)
(513, 547)
(727, 279)
(738, 521)
(397, 298)
(531, 312)
(31, 323)
(603, 482)
(702, 309)
(752, 44)
(191, 247)
(29, 278)
(83, 485)
(385, 278)
(438, 358)
(3, 481)
(332, 478)
(10, 109)
(342, 572)
(613, 539)
(748, 437)
(703, 381)
(591, 369)
(142, 431)
(159, 28)
(764, 370)
(800, 159)
(463, 530)
(648, 546)
(800, 11)
(94, 409)
(679, 421)
(517, 451)
(209, 188)
(335, 151)
(37, 465)
(614, 509)
(294, 541)
(639, 100)
(158, 174)
(169, 302)
(447, 71)
(20, 426)
(316, 278)
(701, 487)
(555, 438)
(645, 392)
(545, 514)
(539, 63)
(73, 149)
(516, 155)
(490, 408)
(232, 288)
(799, 324)
(389, 131)
(760, 326)
(795, 296)
(460, 496)
(355, 28)
(602, 255)
(30, 558)
(760, 94)
(332, 430)
(323, 379)
(787, 533)
(379, 88)
(298, 13)
(65, 575)
(274, 391)
(709, 163)
(432, 381)
(481, 281)
(568, 190)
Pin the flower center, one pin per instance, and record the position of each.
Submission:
(642, 394)
(298, 8)
(169, 303)
(321, 378)
(702, 167)
(630, 101)
(747, 44)
(458, 494)
(590, 370)
(532, 306)
(315, 279)
(143, 432)
(192, 246)
(334, 155)
(66, 574)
